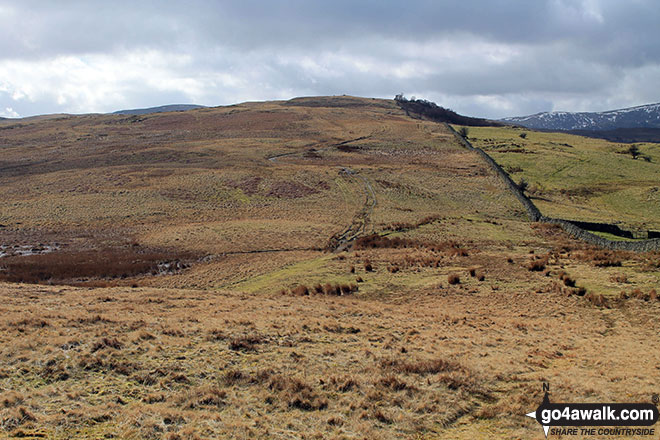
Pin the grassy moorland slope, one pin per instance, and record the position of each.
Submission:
(580, 178)
(317, 268)
(221, 183)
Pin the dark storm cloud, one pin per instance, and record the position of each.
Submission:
(495, 58)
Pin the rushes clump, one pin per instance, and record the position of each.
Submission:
(300, 291)
(537, 264)
(323, 289)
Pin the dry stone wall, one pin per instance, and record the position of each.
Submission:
(535, 215)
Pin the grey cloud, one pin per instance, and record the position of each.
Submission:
(83, 26)
(495, 58)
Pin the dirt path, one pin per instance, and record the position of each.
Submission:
(360, 223)
(275, 157)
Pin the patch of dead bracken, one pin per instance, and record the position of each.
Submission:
(290, 190)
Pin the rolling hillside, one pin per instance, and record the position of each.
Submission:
(579, 178)
(643, 116)
(160, 109)
(324, 267)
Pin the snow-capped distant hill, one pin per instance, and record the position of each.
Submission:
(643, 116)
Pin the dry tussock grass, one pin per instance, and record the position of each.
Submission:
(376, 241)
(405, 355)
(405, 226)
(453, 278)
(537, 264)
(198, 363)
(604, 258)
(322, 289)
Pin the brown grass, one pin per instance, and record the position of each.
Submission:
(211, 351)
(620, 278)
(297, 394)
(246, 343)
(325, 289)
(405, 226)
(106, 343)
(537, 264)
(421, 366)
(376, 241)
(300, 291)
(597, 299)
(604, 258)
(365, 360)
(206, 396)
(651, 295)
(453, 278)
(73, 267)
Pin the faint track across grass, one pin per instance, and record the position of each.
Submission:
(212, 257)
(360, 223)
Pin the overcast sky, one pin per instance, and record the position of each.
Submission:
(489, 58)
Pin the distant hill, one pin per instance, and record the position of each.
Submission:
(429, 110)
(343, 101)
(161, 109)
(625, 135)
(643, 116)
